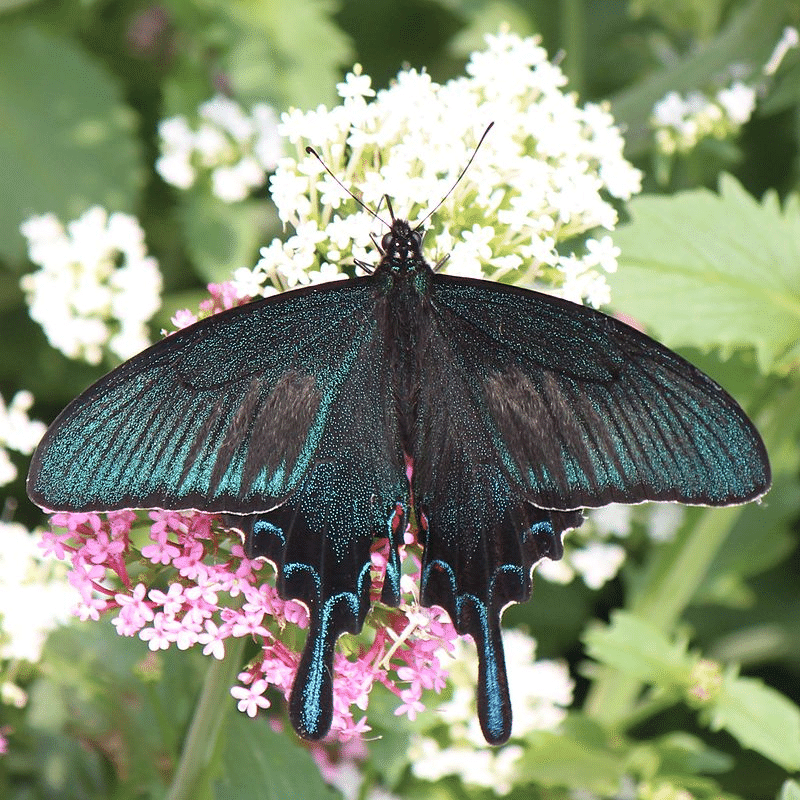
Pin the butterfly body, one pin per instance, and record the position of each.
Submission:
(297, 416)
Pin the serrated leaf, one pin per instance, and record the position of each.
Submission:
(638, 649)
(66, 138)
(707, 270)
(258, 762)
(760, 718)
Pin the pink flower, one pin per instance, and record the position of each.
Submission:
(134, 612)
(411, 705)
(205, 567)
(158, 637)
(53, 544)
(102, 548)
(183, 318)
(251, 698)
(90, 609)
(172, 601)
(249, 624)
(214, 640)
(160, 552)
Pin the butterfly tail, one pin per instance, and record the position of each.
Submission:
(475, 584)
(332, 583)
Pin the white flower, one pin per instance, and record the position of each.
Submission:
(543, 176)
(598, 562)
(789, 39)
(681, 122)
(96, 287)
(541, 691)
(17, 432)
(237, 149)
(588, 551)
(664, 521)
(175, 163)
(35, 596)
(355, 85)
(738, 101)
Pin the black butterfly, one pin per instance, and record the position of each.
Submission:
(294, 416)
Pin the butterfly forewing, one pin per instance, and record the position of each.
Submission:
(583, 410)
(226, 415)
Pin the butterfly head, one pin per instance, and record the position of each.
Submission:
(402, 249)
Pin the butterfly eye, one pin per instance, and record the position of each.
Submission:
(417, 237)
(387, 240)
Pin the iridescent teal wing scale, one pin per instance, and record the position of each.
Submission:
(227, 415)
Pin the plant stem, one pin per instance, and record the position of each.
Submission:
(573, 38)
(662, 597)
(202, 739)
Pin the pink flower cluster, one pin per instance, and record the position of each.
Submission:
(223, 297)
(214, 592)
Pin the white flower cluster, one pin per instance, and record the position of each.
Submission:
(541, 691)
(542, 182)
(35, 596)
(96, 286)
(236, 148)
(680, 123)
(17, 432)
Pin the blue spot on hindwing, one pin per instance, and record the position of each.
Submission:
(494, 704)
(264, 528)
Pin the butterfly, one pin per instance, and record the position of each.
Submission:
(297, 417)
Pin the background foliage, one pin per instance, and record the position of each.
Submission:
(689, 663)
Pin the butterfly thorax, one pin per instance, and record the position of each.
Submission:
(405, 280)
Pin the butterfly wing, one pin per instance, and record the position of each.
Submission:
(583, 410)
(546, 407)
(278, 412)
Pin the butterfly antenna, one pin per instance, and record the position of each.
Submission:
(312, 152)
(457, 180)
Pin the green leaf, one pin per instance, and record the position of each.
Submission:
(221, 237)
(760, 718)
(66, 138)
(745, 555)
(638, 649)
(681, 753)
(700, 16)
(289, 51)
(258, 762)
(707, 270)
